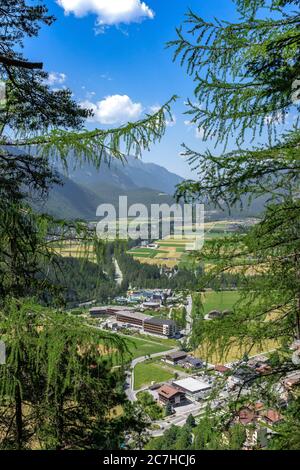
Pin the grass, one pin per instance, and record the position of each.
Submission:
(141, 347)
(221, 300)
(234, 353)
(148, 372)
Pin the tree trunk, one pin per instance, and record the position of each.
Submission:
(19, 417)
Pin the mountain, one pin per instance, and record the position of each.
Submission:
(134, 173)
(85, 188)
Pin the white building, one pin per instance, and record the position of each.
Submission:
(193, 388)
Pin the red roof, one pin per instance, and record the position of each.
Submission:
(263, 369)
(168, 391)
(273, 416)
(222, 369)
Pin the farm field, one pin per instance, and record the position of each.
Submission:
(225, 300)
(170, 251)
(233, 353)
(220, 300)
(173, 251)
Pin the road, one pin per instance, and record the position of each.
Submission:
(131, 394)
(119, 274)
(179, 419)
(189, 319)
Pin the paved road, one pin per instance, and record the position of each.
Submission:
(189, 319)
(179, 419)
(131, 394)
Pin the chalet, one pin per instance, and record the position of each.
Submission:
(169, 394)
(175, 357)
(271, 417)
(191, 362)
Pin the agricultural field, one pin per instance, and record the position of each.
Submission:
(234, 352)
(173, 250)
(220, 300)
(225, 300)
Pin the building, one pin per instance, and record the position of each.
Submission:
(222, 369)
(160, 326)
(96, 312)
(130, 317)
(191, 362)
(170, 394)
(291, 380)
(107, 310)
(213, 315)
(193, 388)
(175, 357)
(247, 416)
(242, 376)
(271, 417)
(153, 305)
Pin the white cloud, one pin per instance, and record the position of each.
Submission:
(199, 131)
(109, 12)
(114, 109)
(55, 78)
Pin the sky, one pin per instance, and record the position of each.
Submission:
(112, 55)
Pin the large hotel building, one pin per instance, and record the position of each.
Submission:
(152, 325)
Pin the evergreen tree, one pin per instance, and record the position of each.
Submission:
(246, 82)
(56, 368)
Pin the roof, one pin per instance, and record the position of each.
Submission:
(136, 315)
(194, 360)
(192, 385)
(159, 321)
(168, 391)
(292, 379)
(177, 355)
(223, 369)
(273, 416)
(246, 416)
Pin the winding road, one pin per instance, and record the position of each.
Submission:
(131, 394)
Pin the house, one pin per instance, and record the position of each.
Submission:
(257, 361)
(192, 363)
(291, 380)
(193, 388)
(175, 357)
(214, 315)
(222, 369)
(242, 376)
(271, 417)
(263, 369)
(246, 416)
(170, 394)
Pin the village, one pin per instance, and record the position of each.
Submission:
(194, 383)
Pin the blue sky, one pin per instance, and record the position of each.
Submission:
(117, 62)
